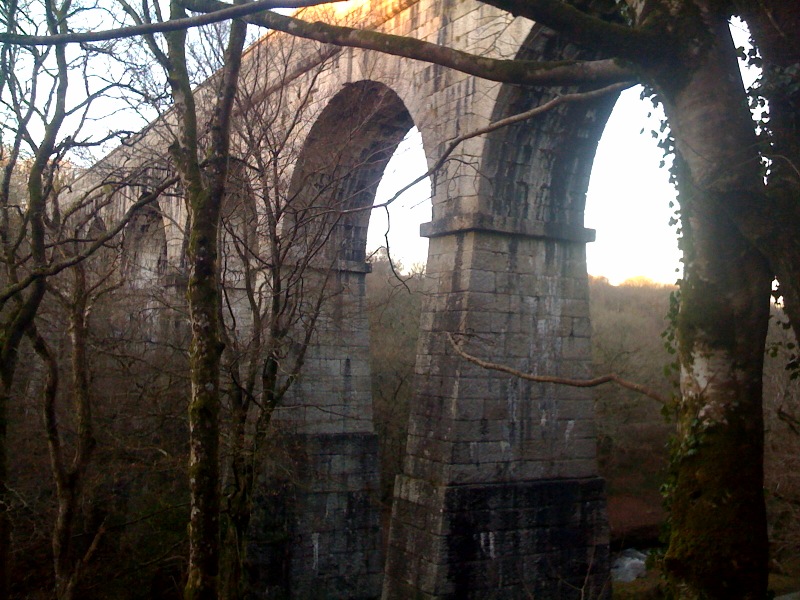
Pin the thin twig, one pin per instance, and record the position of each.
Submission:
(224, 14)
(581, 383)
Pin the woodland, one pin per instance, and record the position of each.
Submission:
(70, 493)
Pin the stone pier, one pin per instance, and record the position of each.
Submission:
(499, 496)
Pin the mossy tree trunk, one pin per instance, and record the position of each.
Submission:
(718, 545)
(773, 26)
(20, 308)
(204, 186)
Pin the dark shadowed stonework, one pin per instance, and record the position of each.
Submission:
(323, 528)
(535, 539)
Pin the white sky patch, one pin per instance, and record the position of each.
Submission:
(409, 210)
(629, 196)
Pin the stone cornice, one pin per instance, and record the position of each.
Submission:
(507, 226)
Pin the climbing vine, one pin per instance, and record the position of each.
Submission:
(772, 81)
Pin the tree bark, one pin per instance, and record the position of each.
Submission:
(773, 26)
(204, 195)
(718, 545)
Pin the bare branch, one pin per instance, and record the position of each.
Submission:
(56, 268)
(524, 72)
(581, 383)
(635, 44)
(229, 12)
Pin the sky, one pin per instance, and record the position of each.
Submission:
(627, 204)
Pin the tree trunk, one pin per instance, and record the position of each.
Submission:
(21, 316)
(204, 361)
(70, 478)
(204, 195)
(773, 27)
(718, 545)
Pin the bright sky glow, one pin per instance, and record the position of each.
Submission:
(629, 197)
(409, 210)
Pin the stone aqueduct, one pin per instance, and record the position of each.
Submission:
(499, 496)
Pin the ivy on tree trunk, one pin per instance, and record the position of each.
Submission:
(718, 544)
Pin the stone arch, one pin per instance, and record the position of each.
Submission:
(238, 252)
(336, 552)
(539, 169)
(343, 160)
(144, 249)
(331, 194)
(143, 268)
(96, 228)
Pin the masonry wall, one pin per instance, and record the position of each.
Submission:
(499, 496)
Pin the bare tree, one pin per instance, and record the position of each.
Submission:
(69, 465)
(47, 217)
(204, 184)
(40, 130)
(296, 216)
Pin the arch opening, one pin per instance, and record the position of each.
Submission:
(144, 249)
(342, 163)
(539, 169)
(143, 253)
(394, 306)
(630, 198)
(241, 271)
(400, 221)
(329, 410)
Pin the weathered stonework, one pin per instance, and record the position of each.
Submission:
(530, 539)
(500, 496)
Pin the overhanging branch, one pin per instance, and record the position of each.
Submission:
(523, 72)
(581, 383)
(223, 14)
(612, 38)
(495, 125)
